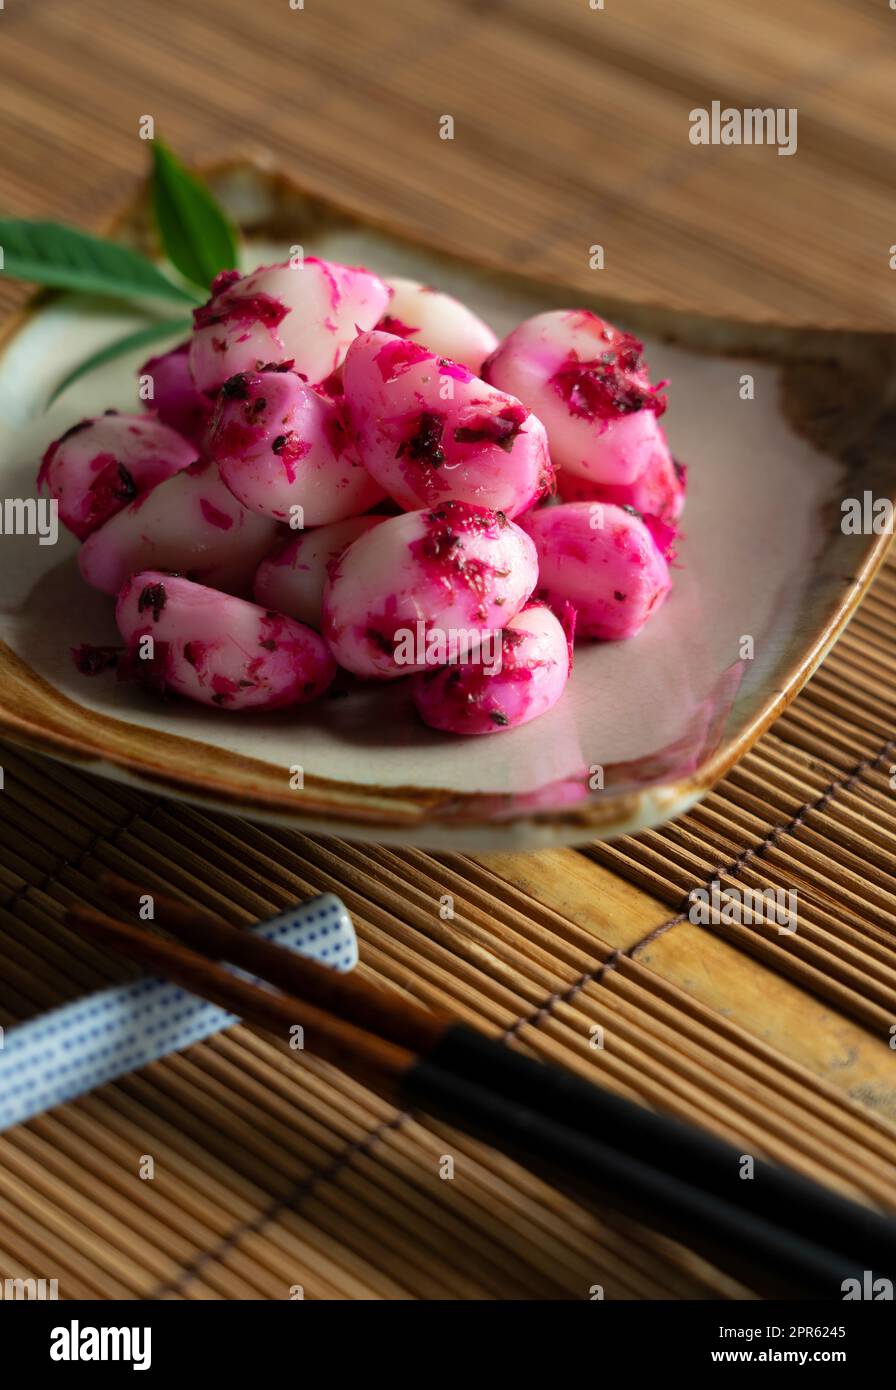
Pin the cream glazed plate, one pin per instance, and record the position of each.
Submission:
(766, 579)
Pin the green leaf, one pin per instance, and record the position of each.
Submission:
(47, 253)
(141, 337)
(197, 237)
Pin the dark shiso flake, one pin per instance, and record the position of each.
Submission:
(154, 598)
(236, 388)
(425, 445)
(501, 429)
(92, 661)
(127, 490)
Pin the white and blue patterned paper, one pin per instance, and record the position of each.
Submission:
(73, 1049)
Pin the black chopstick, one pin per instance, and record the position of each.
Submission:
(699, 1172)
(776, 1195)
(770, 1259)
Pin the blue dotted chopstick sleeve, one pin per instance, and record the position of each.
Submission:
(73, 1049)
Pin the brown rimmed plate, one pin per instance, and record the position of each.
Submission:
(777, 426)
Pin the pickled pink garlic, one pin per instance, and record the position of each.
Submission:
(603, 560)
(439, 322)
(306, 314)
(217, 649)
(97, 467)
(659, 491)
(193, 524)
(428, 430)
(291, 578)
(476, 698)
(175, 399)
(587, 382)
(281, 445)
(419, 582)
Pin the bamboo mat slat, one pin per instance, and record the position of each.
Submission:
(262, 1163)
(274, 1176)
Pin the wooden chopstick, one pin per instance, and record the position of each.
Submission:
(772, 1258)
(775, 1262)
(783, 1198)
(360, 1053)
(380, 1011)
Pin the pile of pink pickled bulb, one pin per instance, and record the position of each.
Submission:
(342, 471)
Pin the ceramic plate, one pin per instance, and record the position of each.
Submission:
(766, 580)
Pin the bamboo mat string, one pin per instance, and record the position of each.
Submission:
(131, 824)
(271, 1175)
(730, 870)
(595, 975)
(333, 1168)
(291, 1201)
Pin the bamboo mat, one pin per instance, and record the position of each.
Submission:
(270, 1175)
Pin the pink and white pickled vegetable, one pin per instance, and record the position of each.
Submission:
(307, 314)
(437, 321)
(587, 382)
(292, 578)
(192, 524)
(429, 431)
(175, 398)
(601, 559)
(98, 466)
(659, 491)
(397, 595)
(524, 678)
(218, 649)
(280, 445)
(315, 392)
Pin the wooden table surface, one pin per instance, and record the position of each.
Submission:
(571, 129)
